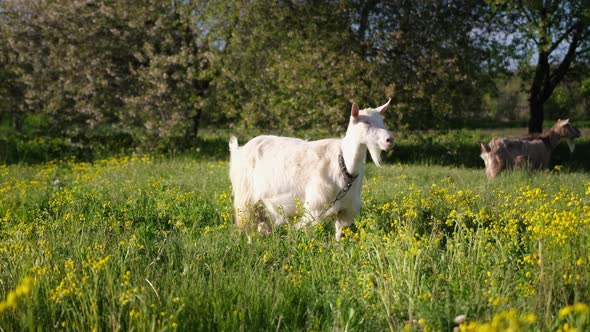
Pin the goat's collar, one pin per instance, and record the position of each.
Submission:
(347, 176)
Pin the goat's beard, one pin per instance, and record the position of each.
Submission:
(375, 153)
(571, 144)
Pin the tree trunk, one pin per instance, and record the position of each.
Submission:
(545, 80)
(18, 119)
(196, 123)
(366, 9)
(537, 115)
(536, 99)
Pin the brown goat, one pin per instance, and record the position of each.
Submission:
(534, 152)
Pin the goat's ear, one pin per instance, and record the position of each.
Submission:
(354, 112)
(485, 148)
(383, 107)
(561, 123)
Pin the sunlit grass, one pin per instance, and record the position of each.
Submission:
(149, 244)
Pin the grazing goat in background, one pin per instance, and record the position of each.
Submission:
(271, 176)
(534, 152)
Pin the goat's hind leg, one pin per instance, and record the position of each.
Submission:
(244, 218)
(251, 217)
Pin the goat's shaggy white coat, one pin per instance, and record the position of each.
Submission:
(277, 177)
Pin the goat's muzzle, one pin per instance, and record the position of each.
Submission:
(388, 143)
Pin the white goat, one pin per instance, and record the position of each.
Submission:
(278, 174)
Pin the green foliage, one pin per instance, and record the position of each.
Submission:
(570, 98)
(289, 65)
(146, 77)
(103, 69)
(508, 102)
(434, 62)
(295, 65)
(152, 74)
(556, 34)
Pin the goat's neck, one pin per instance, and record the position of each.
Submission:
(553, 138)
(354, 154)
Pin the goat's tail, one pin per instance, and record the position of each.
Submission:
(233, 144)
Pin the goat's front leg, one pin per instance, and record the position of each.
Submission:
(310, 217)
(344, 218)
(314, 206)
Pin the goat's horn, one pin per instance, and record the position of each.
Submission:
(383, 107)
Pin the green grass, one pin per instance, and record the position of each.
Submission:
(149, 244)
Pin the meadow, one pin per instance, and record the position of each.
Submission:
(143, 243)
